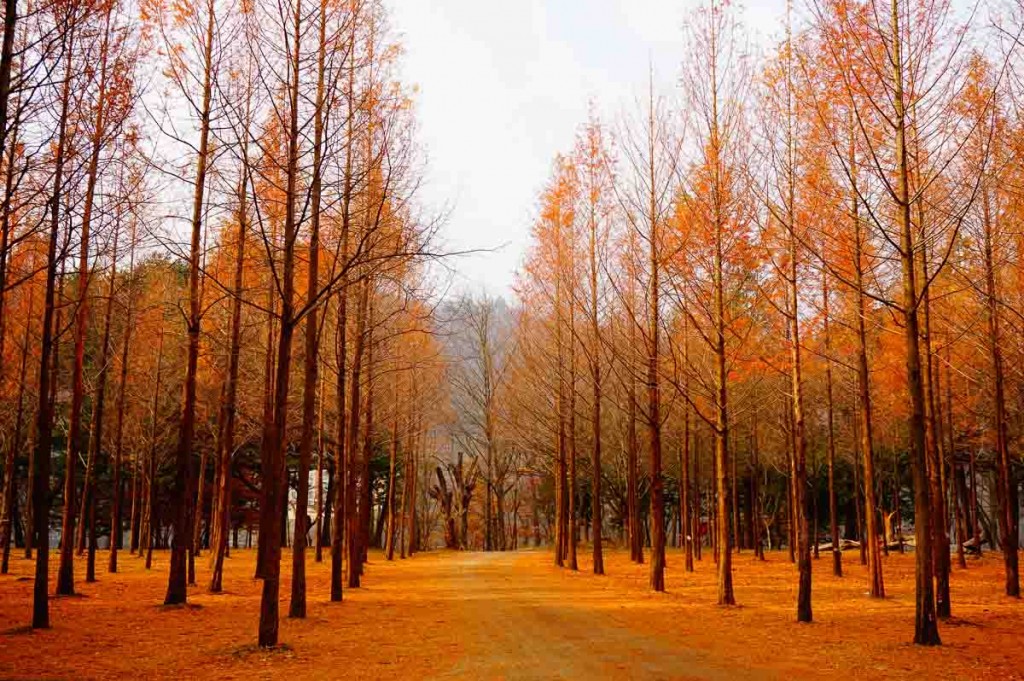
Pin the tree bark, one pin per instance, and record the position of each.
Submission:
(657, 575)
(830, 445)
(96, 441)
(9, 490)
(926, 630)
(44, 412)
(1006, 496)
(876, 582)
(177, 588)
(595, 371)
(228, 413)
(122, 398)
(275, 440)
(297, 606)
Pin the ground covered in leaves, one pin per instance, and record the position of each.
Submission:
(515, 615)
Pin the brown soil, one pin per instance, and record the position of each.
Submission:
(514, 615)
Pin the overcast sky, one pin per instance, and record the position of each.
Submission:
(503, 86)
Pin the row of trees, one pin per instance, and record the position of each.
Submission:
(812, 263)
(214, 286)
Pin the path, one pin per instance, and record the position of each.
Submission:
(448, 615)
(534, 624)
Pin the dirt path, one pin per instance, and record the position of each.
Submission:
(445, 615)
(528, 624)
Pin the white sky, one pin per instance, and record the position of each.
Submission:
(504, 85)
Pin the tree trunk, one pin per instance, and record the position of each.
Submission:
(275, 440)
(561, 503)
(320, 538)
(9, 491)
(96, 441)
(366, 496)
(876, 583)
(44, 412)
(596, 528)
(297, 606)
(959, 479)
(117, 494)
(572, 518)
(1006, 495)
(830, 446)
(228, 414)
(925, 626)
(803, 608)
(149, 521)
(636, 545)
(389, 541)
(355, 402)
(685, 484)
(341, 467)
(177, 589)
(657, 576)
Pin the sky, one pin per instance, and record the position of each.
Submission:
(504, 86)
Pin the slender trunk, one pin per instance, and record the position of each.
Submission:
(804, 612)
(657, 516)
(9, 490)
(960, 500)
(44, 412)
(876, 583)
(685, 484)
(721, 429)
(959, 479)
(636, 544)
(96, 443)
(366, 488)
(6, 63)
(355, 402)
(341, 468)
(389, 502)
(135, 513)
(7, 150)
(595, 370)
(275, 439)
(122, 399)
(725, 592)
(698, 547)
(561, 502)
(973, 500)
(7, 510)
(857, 501)
(82, 311)
(149, 521)
(411, 471)
(573, 491)
(65, 570)
(318, 503)
(268, 381)
(297, 606)
(342, 471)
(177, 588)
(925, 626)
(755, 492)
(1006, 495)
(935, 449)
(830, 446)
(228, 414)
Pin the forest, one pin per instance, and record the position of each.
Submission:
(763, 360)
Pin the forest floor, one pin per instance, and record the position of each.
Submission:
(513, 615)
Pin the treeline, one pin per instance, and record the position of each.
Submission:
(214, 286)
(785, 301)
